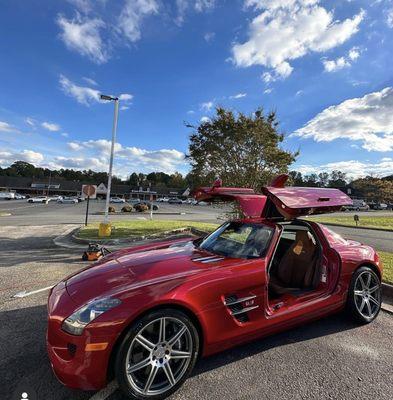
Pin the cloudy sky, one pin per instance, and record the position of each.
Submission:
(324, 66)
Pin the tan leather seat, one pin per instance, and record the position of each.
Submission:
(297, 268)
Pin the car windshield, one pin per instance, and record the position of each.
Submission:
(239, 240)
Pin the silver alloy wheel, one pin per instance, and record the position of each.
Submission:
(158, 356)
(367, 293)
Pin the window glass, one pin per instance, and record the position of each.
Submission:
(239, 240)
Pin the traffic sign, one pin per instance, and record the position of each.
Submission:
(89, 191)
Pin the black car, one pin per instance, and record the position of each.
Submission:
(175, 200)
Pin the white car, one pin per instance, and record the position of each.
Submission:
(19, 196)
(163, 200)
(67, 200)
(117, 200)
(38, 199)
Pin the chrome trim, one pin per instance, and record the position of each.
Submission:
(237, 301)
(210, 260)
(247, 309)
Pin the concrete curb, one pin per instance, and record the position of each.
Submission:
(161, 235)
(354, 227)
(143, 213)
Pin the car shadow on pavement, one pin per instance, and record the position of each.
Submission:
(323, 327)
(24, 361)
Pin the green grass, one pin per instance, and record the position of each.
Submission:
(385, 222)
(387, 260)
(135, 228)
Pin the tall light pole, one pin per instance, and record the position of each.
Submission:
(106, 226)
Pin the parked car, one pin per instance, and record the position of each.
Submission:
(148, 312)
(163, 200)
(7, 195)
(38, 199)
(380, 206)
(19, 196)
(117, 200)
(357, 205)
(68, 200)
(175, 200)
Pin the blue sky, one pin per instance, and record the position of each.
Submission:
(324, 66)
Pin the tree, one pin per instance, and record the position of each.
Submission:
(243, 150)
(296, 178)
(337, 179)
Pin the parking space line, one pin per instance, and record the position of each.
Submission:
(106, 392)
(25, 294)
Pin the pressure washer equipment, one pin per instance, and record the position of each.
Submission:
(94, 252)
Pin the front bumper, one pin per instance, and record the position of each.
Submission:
(72, 365)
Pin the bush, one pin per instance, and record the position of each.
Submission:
(126, 209)
(111, 209)
(141, 207)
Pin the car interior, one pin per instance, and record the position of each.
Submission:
(295, 268)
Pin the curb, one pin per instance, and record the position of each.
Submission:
(387, 290)
(354, 227)
(143, 213)
(185, 230)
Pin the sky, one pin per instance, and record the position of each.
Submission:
(325, 67)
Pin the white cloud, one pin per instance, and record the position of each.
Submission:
(203, 5)
(238, 96)
(368, 119)
(82, 35)
(289, 29)
(126, 97)
(299, 93)
(207, 106)
(127, 158)
(90, 81)
(131, 16)
(389, 18)
(51, 126)
(82, 5)
(209, 36)
(335, 65)
(268, 90)
(205, 119)
(64, 134)
(6, 127)
(190, 112)
(353, 168)
(82, 94)
(8, 157)
(341, 62)
(74, 146)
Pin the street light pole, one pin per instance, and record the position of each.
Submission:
(114, 129)
(105, 227)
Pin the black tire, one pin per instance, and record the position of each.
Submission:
(351, 306)
(30, 201)
(137, 326)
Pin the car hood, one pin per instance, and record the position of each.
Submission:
(126, 270)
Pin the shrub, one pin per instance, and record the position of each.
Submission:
(141, 207)
(111, 209)
(126, 209)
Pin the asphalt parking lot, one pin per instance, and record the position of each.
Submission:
(328, 359)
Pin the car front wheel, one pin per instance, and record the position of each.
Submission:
(364, 296)
(157, 355)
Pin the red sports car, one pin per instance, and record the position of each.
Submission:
(144, 315)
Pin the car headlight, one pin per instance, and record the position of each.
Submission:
(77, 321)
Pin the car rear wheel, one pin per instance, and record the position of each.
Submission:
(364, 297)
(157, 355)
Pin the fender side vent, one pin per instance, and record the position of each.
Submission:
(235, 306)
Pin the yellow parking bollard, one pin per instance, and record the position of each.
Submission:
(105, 229)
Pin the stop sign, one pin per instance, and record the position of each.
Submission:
(89, 190)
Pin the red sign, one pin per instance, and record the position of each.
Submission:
(89, 190)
